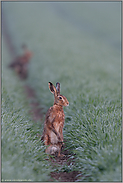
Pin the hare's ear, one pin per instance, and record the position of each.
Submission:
(52, 88)
(58, 88)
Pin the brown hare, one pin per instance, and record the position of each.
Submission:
(54, 122)
(20, 63)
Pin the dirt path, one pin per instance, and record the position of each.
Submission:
(36, 113)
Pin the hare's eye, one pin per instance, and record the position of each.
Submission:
(60, 97)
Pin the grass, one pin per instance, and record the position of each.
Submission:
(87, 65)
(94, 135)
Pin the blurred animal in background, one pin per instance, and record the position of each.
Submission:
(54, 122)
(20, 63)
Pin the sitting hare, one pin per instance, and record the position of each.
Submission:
(54, 122)
(20, 63)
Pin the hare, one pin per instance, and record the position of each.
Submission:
(20, 62)
(54, 122)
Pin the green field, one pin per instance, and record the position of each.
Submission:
(78, 45)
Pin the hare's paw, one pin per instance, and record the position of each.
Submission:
(61, 142)
(61, 155)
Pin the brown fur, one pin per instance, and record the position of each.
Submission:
(20, 63)
(54, 121)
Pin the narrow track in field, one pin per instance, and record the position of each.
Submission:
(37, 114)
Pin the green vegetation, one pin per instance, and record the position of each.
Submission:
(88, 66)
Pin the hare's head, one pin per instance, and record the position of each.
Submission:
(27, 53)
(58, 98)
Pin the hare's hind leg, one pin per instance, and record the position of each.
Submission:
(59, 152)
(46, 139)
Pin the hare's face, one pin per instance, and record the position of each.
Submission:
(61, 100)
(58, 99)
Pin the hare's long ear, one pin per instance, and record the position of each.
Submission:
(52, 88)
(58, 88)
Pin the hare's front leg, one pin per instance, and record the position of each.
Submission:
(60, 140)
(61, 132)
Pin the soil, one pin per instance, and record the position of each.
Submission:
(36, 113)
(65, 176)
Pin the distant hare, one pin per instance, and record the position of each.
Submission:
(54, 122)
(20, 63)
